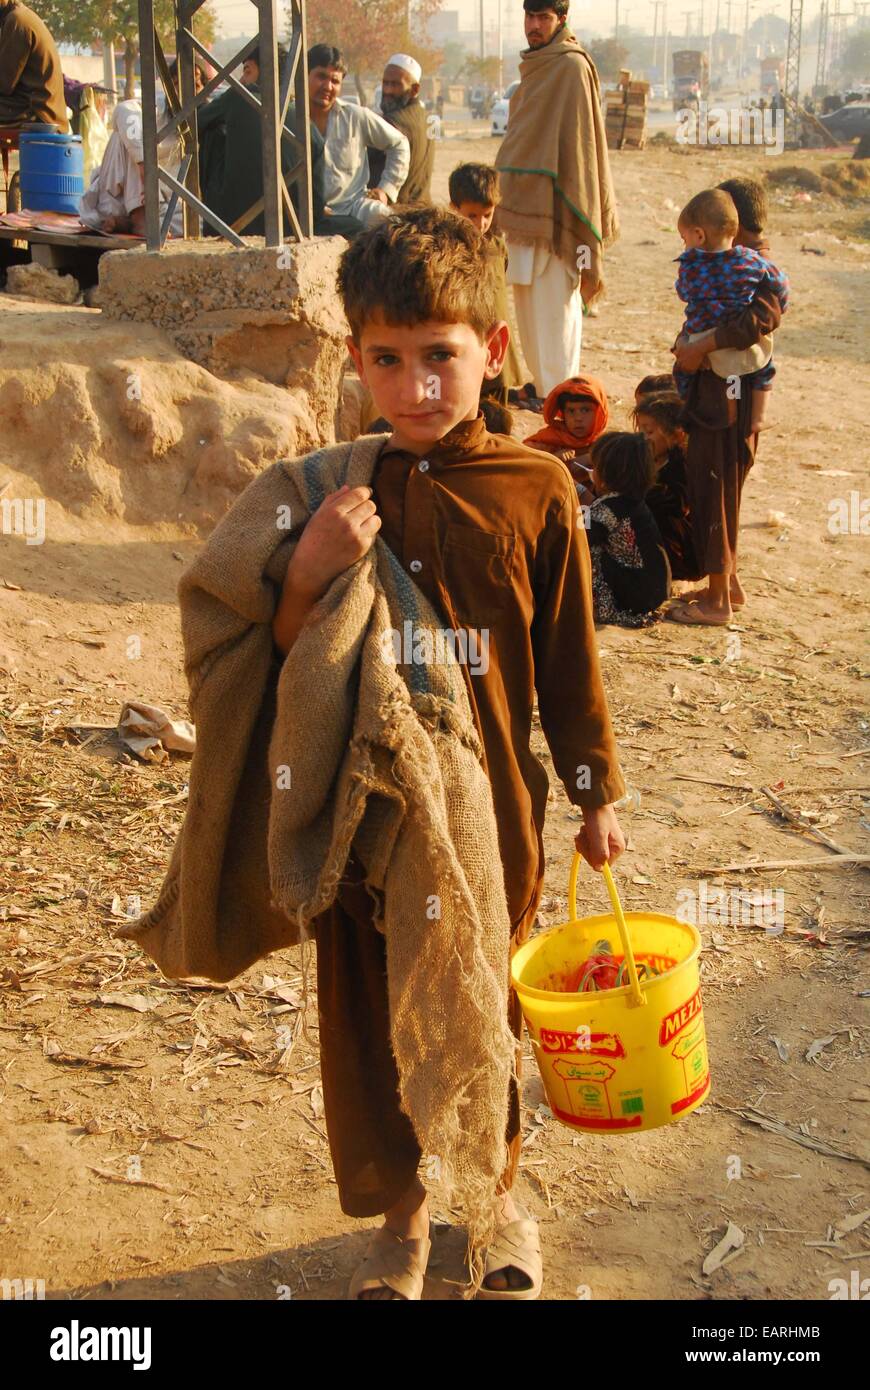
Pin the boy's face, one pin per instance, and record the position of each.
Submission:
(579, 416)
(426, 378)
(480, 214)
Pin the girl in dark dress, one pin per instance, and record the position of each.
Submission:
(659, 417)
(630, 571)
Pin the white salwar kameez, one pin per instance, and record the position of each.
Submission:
(549, 312)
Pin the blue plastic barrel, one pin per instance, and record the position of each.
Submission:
(51, 171)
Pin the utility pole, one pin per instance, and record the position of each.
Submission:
(793, 69)
(616, 24)
(500, 50)
(688, 14)
(482, 38)
(658, 6)
(822, 51)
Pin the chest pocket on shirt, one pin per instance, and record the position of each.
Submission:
(478, 571)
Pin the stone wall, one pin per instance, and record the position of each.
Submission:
(274, 312)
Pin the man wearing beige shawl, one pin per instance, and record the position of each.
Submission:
(558, 210)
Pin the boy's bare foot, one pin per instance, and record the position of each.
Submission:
(700, 614)
(736, 591)
(409, 1220)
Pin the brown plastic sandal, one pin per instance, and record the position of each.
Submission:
(390, 1264)
(518, 1246)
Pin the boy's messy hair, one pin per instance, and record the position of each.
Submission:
(750, 200)
(474, 183)
(624, 463)
(713, 210)
(665, 407)
(427, 265)
(651, 384)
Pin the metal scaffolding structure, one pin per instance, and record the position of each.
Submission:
(822, 54)
(276, 90)
(793, 71)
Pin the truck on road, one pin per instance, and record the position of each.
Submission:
(691, 83)
(772, 76)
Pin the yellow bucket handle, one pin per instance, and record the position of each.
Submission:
(637, 998)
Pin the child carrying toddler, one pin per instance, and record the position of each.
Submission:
(716, 280)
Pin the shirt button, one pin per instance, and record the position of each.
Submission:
(415, 566)
(423, 465)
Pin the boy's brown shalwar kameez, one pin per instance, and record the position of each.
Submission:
(488, 529)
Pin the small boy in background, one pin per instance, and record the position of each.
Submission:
(750, 200)
(717, 279)
(473, 192)
(576, 414)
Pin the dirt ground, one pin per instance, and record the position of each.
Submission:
(164, 1141)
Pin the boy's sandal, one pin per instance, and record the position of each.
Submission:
(390, 1264)
(518, 1246)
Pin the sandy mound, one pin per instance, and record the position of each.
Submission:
(848, 178)
(110, 419)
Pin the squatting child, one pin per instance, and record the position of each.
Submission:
(660, 417)
(630, 571)
(576, 414)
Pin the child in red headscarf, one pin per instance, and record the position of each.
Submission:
(576, 415)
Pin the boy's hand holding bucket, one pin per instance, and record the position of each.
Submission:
(601, 840)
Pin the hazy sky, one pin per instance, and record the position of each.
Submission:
(589, 16)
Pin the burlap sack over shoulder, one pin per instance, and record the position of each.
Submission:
(339, 746)
(554, 170)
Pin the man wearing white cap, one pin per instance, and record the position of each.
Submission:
(401, 106)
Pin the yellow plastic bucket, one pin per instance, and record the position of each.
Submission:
(619, 1060)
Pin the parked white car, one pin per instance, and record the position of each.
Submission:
(500, 110)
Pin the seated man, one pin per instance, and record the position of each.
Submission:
(347, 131)
(115, 199)
(402, 107)
(31, 81)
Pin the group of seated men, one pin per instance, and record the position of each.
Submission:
(362, 162)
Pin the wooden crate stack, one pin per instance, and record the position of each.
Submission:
(625, 114)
